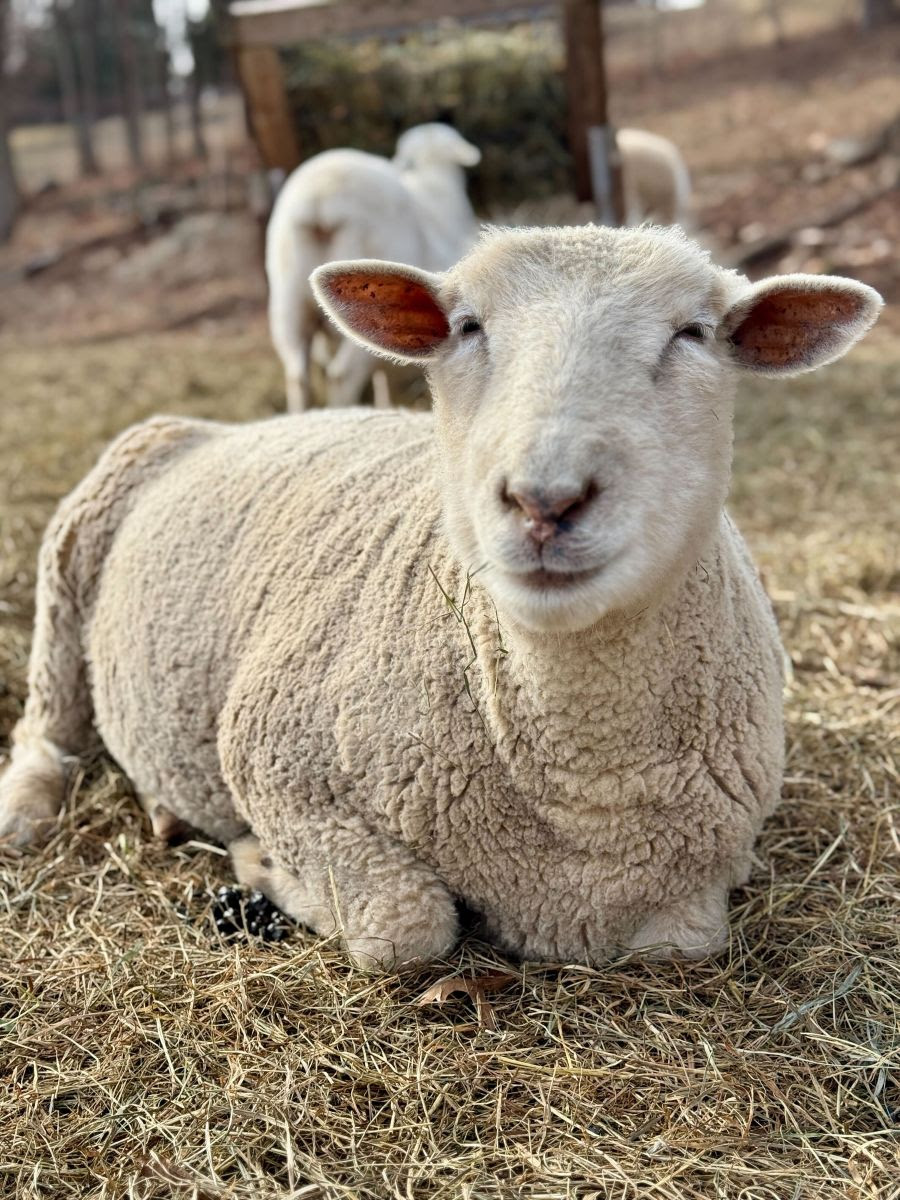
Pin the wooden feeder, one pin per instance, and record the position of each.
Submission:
(260, 27)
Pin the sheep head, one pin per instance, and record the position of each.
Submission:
(434, 145)
(583, 383)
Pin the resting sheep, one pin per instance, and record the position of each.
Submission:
(347, 204)
(513, 652)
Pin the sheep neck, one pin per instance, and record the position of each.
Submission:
(606, 696)
(447, 217)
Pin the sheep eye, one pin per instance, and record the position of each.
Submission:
(469, 326)
(695, 332)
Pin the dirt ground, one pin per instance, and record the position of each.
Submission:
(141, 1056)
(47, 153)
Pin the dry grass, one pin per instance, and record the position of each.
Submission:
(48, 153)
(139, 1056)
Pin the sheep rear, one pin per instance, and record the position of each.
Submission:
(57, 724)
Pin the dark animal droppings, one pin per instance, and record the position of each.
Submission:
(237, 914)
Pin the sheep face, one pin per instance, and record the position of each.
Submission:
(583, 382)
(434, 145)
(585, 426)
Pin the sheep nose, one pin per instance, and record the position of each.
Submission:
(546, 514)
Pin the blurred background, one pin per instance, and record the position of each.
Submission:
(132, 189)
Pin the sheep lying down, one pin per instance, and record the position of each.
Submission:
(514, 652)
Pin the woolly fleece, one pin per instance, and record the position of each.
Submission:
(572, 793)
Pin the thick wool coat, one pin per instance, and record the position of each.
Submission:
(275, 638)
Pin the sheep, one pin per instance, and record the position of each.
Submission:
(655, 179)
(513, 652)
(349, 204)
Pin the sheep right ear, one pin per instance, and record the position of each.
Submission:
(793, 323)
(387, 307)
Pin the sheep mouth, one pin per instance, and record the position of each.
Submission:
(544, 580)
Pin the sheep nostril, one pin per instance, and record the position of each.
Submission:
(569, 508)
(546, 516)
(540, 507)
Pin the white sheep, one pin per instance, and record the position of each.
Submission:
(655, 179)
(513, 652)
(349, 204)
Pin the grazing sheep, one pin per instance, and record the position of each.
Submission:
(513, 652)
(655, 179)
(348, 204)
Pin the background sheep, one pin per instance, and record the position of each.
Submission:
(655, 179)
(604, 687)
(348, 204)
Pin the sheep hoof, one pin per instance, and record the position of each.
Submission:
(693, 928)
(31, 794)
(166, 826)
(414, 920)
(404, 928)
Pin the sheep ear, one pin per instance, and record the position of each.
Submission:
(795, 323)
(467, 154)
(389, 308)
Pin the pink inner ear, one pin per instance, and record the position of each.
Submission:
(392, 311)
(787, 328)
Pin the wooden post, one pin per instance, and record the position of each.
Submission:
(262, 79)
(598, 174)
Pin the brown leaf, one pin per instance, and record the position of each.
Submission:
(475, 986)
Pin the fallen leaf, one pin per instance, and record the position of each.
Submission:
(475, 986)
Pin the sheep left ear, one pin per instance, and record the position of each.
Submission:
(389, 308)
(795, 323)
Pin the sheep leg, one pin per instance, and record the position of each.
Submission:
(381, 390)
(347, 374)
(292, 332)
(58, 713)
(388, 907)
(695, 926)
(167, 827)
(31, 790)
(297, 391)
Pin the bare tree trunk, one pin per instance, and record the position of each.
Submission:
(879, 12)
(194, 97)
(777, 20)
(64, 44)
(132, 102)
(165, 96)
(10, 196)
(657, 36)
(86, 16)
(65, 65)
(155, 54)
